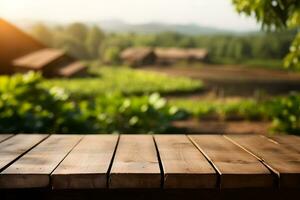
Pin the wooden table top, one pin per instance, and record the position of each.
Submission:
(149, 161)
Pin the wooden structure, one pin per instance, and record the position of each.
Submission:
(14, 43)
(51, 62)
(173, 55)
(19, 52)
(149, 167)
(138, 56)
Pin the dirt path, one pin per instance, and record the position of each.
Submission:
(236, 80)
(231, 82)
(194, 126)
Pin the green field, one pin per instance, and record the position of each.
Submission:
(126, 81)
(230, 109)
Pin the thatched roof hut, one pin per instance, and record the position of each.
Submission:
(138, 56)
(51, 62)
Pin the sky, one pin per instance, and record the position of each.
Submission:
(212, 13)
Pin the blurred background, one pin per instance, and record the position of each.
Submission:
(150, 66)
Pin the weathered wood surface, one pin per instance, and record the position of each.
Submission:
(290, 141)
(184, 166)
(34, 168)
(87, 164)
(5, 136)
(171, 162)
(14, 147)
(237, 168)
(135, 164)
(284, 161)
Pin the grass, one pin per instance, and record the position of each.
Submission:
(264, 64)
(236, 109)
(126, 81)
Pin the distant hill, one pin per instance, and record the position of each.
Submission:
(189, 29)
(119, 26)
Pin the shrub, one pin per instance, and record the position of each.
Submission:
(145, 114)
(286, 114)
(111, 55)
(27, 106)
(246, 109)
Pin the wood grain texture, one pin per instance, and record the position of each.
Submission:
(86, 166)
(183, 164)
(290, 141)
(237, 168)
(14, 147)
(135, 164)
(284, 161)
(5, 137)
(34, 168)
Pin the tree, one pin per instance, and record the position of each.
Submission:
(71, 45)
(78, 31)
(95, 37)
(111, 55)
(276, 15)
(42, 33)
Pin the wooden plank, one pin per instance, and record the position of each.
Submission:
(14, 147)
(237, 168)
(290, 141)
(183, 164)
(136, 163)
(5, 137)
(34, 168)
(86, 166)
(284, 161)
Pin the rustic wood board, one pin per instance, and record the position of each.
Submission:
(237, 168)
(284, 161)
(86, 166)
(290, 141)
(34, 168)
(5, 137)
(183, 164)
(14, 147)
(135, 164)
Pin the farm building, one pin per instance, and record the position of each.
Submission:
(51, 62)
(147, 56)
(138, 56)
(19, 52)
(13, 44)
(173, 55)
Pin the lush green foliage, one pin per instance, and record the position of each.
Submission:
(276, 14)
(146, 114)
(91, 43)
(292, 59)
(27, 106)
(271, 13)
(125, 80)
(286, 114)
(242, 109)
